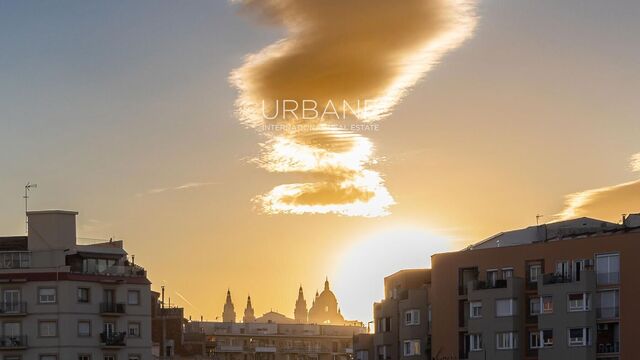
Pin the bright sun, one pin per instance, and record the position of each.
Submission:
(359, 279)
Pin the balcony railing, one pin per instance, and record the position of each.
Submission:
(606, 348)
(116, 270)
(609, 312)
(13, 308)
(113, 338)
(13, 342)
(548, 279)
(112, 308)
(15, 259)
(484, 285)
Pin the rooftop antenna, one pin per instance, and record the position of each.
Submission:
(538, 217)
(27, 189)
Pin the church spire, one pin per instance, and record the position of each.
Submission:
(300, 312)
(249, 315)
(229, 313)
(326, 283)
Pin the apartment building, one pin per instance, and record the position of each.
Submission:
(274, 341)
(566, 290)
(60, 300)
(401, 320)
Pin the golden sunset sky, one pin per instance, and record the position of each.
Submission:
(125, 112)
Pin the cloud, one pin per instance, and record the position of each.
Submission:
(635, 162)
(342, 53)
(187, 186)
(608, 202)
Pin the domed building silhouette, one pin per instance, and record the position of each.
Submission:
(325, 308)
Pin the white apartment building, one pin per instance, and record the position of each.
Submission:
(63, 301)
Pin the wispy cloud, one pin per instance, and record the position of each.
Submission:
(635, 162)
(186, 186)
(608, 202)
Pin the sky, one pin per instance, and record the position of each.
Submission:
(125, 112)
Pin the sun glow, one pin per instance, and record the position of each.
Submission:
(362, 267)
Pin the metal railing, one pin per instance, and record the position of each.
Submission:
(13, 342)
(12, 308)
(112, 308)
(113, 338)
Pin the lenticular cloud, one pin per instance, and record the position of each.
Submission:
(338, 54)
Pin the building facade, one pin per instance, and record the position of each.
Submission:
(565, 290)
(401, 320)
(65, 301)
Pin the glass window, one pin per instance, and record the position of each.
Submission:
(579, 337)
(608, 307)
(506, 341)
(133, 297)
(48, 328)
(492, 277)
(534, 272)
(579, 302)
(84, 357)
(84, 328)
(47, 295)
(83, 295)
(134, 329)
(540, 339)
(608, 269)
(412, 317)
(505, 307)
(507, 273)
(475, 342)
(411, 347)
(541, 305)
(475, 309)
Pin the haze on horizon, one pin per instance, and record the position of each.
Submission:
(123, 111)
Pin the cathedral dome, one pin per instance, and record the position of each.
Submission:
(325, 308)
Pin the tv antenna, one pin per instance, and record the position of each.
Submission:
(27, 189)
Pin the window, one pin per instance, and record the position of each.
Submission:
(110, 357)
(134, 329)
(360, 355)
(411, 347)
(608, 307)
(47, 295)
(492, 277)
(475, 309)
(505, 307)
(507, 273)
(412, 317)
(475, 342)
(48, 357)
(48, 328)
(84, 328)
(579, 302)
(506, 341)
(384, 324)
(535, 271)
(608, 269)
(541, 305)
(540, 339)
(84, 357)
(133, 297)
(563, 269)
(383, 352)
(83, 295)
(579, 337)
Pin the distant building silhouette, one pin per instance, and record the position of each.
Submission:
(229, 313)
(249, 316)
(325, 308)
(300, 313)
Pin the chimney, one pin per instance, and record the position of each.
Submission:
(51, 230)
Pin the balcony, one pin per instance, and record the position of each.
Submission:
(112, 309)
(115, 270)
(13, 342)
(610, 312)
(548, 279)
(13, 308)
(113, 339)
(484, 285)
(15, 260)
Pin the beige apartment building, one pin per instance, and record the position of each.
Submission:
(63, 301)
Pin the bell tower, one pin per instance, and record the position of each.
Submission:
(249, 315)
(229, 313)
(300, 313)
